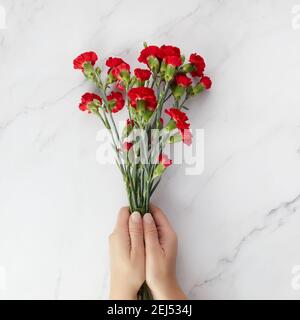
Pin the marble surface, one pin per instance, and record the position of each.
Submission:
(238, 223)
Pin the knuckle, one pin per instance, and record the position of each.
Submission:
(151, 231)
(135, 230)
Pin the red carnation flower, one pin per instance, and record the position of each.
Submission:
(117, 66)
(142, 74)
(183, 80)
(112, 62)
(164, 160)
(182, 125)
(145, 94)
(83, 58)
(150, 51)
(205, 82)
(174, 61)
(198, 63)
(186, 137)
(86, 99)
(179, 117)
(116, 101)
(127, 146)
(169, 51)
(117, 71)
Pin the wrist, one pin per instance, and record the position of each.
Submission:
(117, 293)
(170, 291)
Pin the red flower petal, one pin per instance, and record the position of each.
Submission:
(88, 98)
(198, 62)
(153, 51)
(142, 93)
(206, 82)
(183, 80)
(142, 74)
(118, 100)
(83, 58)
(186, 136)
(129, 122)
(164, 160)
(179, 117)
(112, 62)
(167, 50)
(174, 61)
(127, 146)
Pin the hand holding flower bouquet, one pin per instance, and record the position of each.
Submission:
(139, 147)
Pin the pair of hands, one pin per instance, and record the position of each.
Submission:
(143, 249)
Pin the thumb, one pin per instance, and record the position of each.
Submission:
(150, 232)
(136, 233)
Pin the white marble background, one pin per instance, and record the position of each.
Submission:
(238, 223)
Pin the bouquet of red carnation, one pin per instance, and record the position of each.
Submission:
(139, 146)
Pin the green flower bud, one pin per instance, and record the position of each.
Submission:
(96, 102)
(171, 125)
(153, 64)
(111, 104)
(147, 114)
(170, 72)
(175, 138)
(110, 79)
(188, 68)
(92, 107)
(178, 92)
(141, 107)
(158, 171)
(163, 68)
(125, 76)
(88, 70)
(197, 89)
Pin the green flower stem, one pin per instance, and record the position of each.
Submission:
(184, 101)
(153, 80)
(101, 118)
(168, 97)
(138, 177)
(161, 101)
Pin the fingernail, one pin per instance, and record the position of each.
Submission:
(148, 218)
(136, 217)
